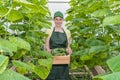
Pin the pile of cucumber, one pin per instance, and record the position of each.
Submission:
(59, 52)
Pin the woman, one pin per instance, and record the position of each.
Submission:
(58, 37)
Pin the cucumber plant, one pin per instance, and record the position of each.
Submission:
(94, 27)
(22, 24)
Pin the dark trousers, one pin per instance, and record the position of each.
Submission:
(59, 72)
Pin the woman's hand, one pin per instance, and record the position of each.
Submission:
(69, 50)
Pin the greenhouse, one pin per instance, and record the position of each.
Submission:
(59, 40)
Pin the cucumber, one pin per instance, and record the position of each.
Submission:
(59, 52)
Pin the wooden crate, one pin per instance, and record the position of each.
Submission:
(61, 59)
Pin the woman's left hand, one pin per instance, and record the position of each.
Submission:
(69, 50)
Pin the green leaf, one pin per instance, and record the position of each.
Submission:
(11, 75)
(8, 45)
(46, 63)
(68, 18)
(114, 63)
(43, 10)
(3, 63)
(115, 28)
(21, 70)
(44, 25)
(43, 2)
(3, 1)
(101, 13)
(44, 55)
(3, 11)
(5, 50)
(85, 30)
(14, 15)
(116, 3)
(98, 49)
(94, 42)
(21, 44)
(85, 57)
(111, 20)
(25, 2)
(23, 65)
(41, 71)
(29, 7)
(19, 54)
(74, 65)
(112, 76)
(93, 5)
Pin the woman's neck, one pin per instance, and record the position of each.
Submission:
(59, 29)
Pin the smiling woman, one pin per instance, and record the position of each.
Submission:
(58, 37)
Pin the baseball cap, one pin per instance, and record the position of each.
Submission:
(58, 14)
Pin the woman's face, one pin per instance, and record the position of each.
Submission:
(58, 21)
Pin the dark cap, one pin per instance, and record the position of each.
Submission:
(58, 14)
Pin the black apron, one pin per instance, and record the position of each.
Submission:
(58, 72)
